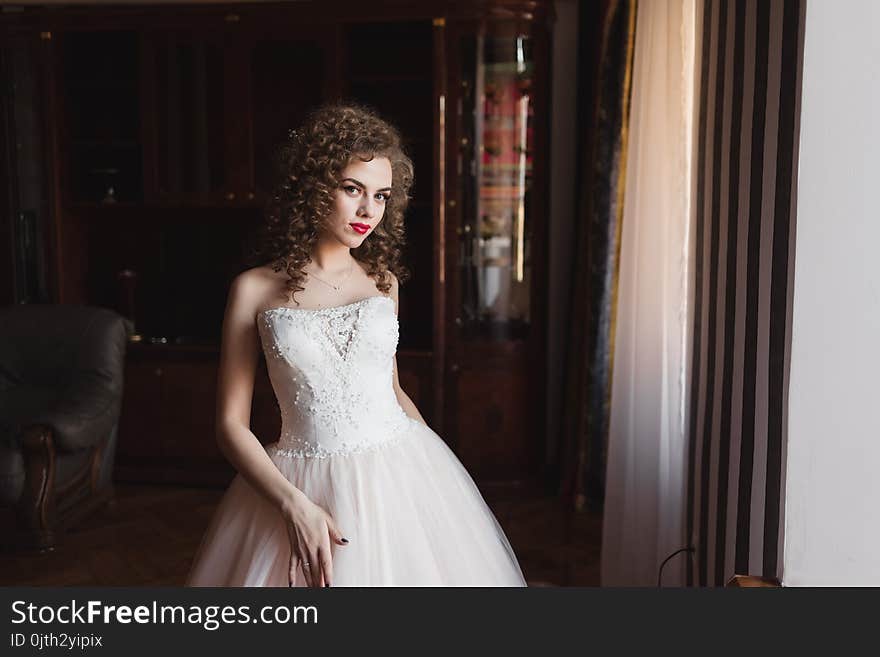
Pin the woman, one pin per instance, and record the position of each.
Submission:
(357, 490)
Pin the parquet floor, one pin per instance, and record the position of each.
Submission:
(149, 535)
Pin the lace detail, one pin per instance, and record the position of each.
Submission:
(332, 372)
(330, 309)
(304, 450)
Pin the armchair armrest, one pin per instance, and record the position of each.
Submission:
(85, 413)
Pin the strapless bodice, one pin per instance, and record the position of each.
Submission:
(332, 372)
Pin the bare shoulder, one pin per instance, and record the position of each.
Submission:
(250, 290)
(256, 275)
(394, 281)
(395, 285)
(393, 292)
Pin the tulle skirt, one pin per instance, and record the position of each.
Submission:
(411, 512)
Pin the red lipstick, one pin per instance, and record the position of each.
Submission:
(360, 228)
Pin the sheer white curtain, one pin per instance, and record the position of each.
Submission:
(647, 452)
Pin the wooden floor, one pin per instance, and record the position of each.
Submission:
(149, 535)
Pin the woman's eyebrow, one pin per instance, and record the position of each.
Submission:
(360, 184)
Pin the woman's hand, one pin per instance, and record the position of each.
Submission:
(310, 530)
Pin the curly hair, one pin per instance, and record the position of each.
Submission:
(311, 161)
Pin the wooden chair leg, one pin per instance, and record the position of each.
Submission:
(44, 511)
(35, 512)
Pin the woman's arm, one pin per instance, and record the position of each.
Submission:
(239, 355)
(310, 528)
(402, 398)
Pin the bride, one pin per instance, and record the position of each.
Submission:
(357, 490)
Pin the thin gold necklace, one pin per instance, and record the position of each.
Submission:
(344, 278)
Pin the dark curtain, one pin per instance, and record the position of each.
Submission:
(603, 102)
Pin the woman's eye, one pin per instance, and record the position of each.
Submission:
(351, 189)
(383, 197)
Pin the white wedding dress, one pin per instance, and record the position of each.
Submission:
(411, 512)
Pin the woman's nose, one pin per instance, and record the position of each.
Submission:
(368, 207)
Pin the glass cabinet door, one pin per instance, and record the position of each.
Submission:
(190, 78)
(497, 115)
(288, 75)
(100, 89)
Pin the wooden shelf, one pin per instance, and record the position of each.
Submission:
(159, 351)
(145, 206)
(107, 143)
(389, 77)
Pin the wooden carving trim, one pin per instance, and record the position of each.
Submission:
(36, 506)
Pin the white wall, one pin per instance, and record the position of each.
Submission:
(832, 496)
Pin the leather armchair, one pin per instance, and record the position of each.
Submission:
(61, 382)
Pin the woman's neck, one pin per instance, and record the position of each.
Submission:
(331, 257)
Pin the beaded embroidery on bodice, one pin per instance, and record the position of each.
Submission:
(332, 372)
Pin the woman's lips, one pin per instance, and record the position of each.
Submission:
(360, 228)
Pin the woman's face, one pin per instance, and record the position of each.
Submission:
(364, 189)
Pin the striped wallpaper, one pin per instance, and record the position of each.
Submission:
(750, 79)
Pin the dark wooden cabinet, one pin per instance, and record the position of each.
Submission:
(160, 146)
(166, 435)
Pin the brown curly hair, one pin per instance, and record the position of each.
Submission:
(311, 161)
